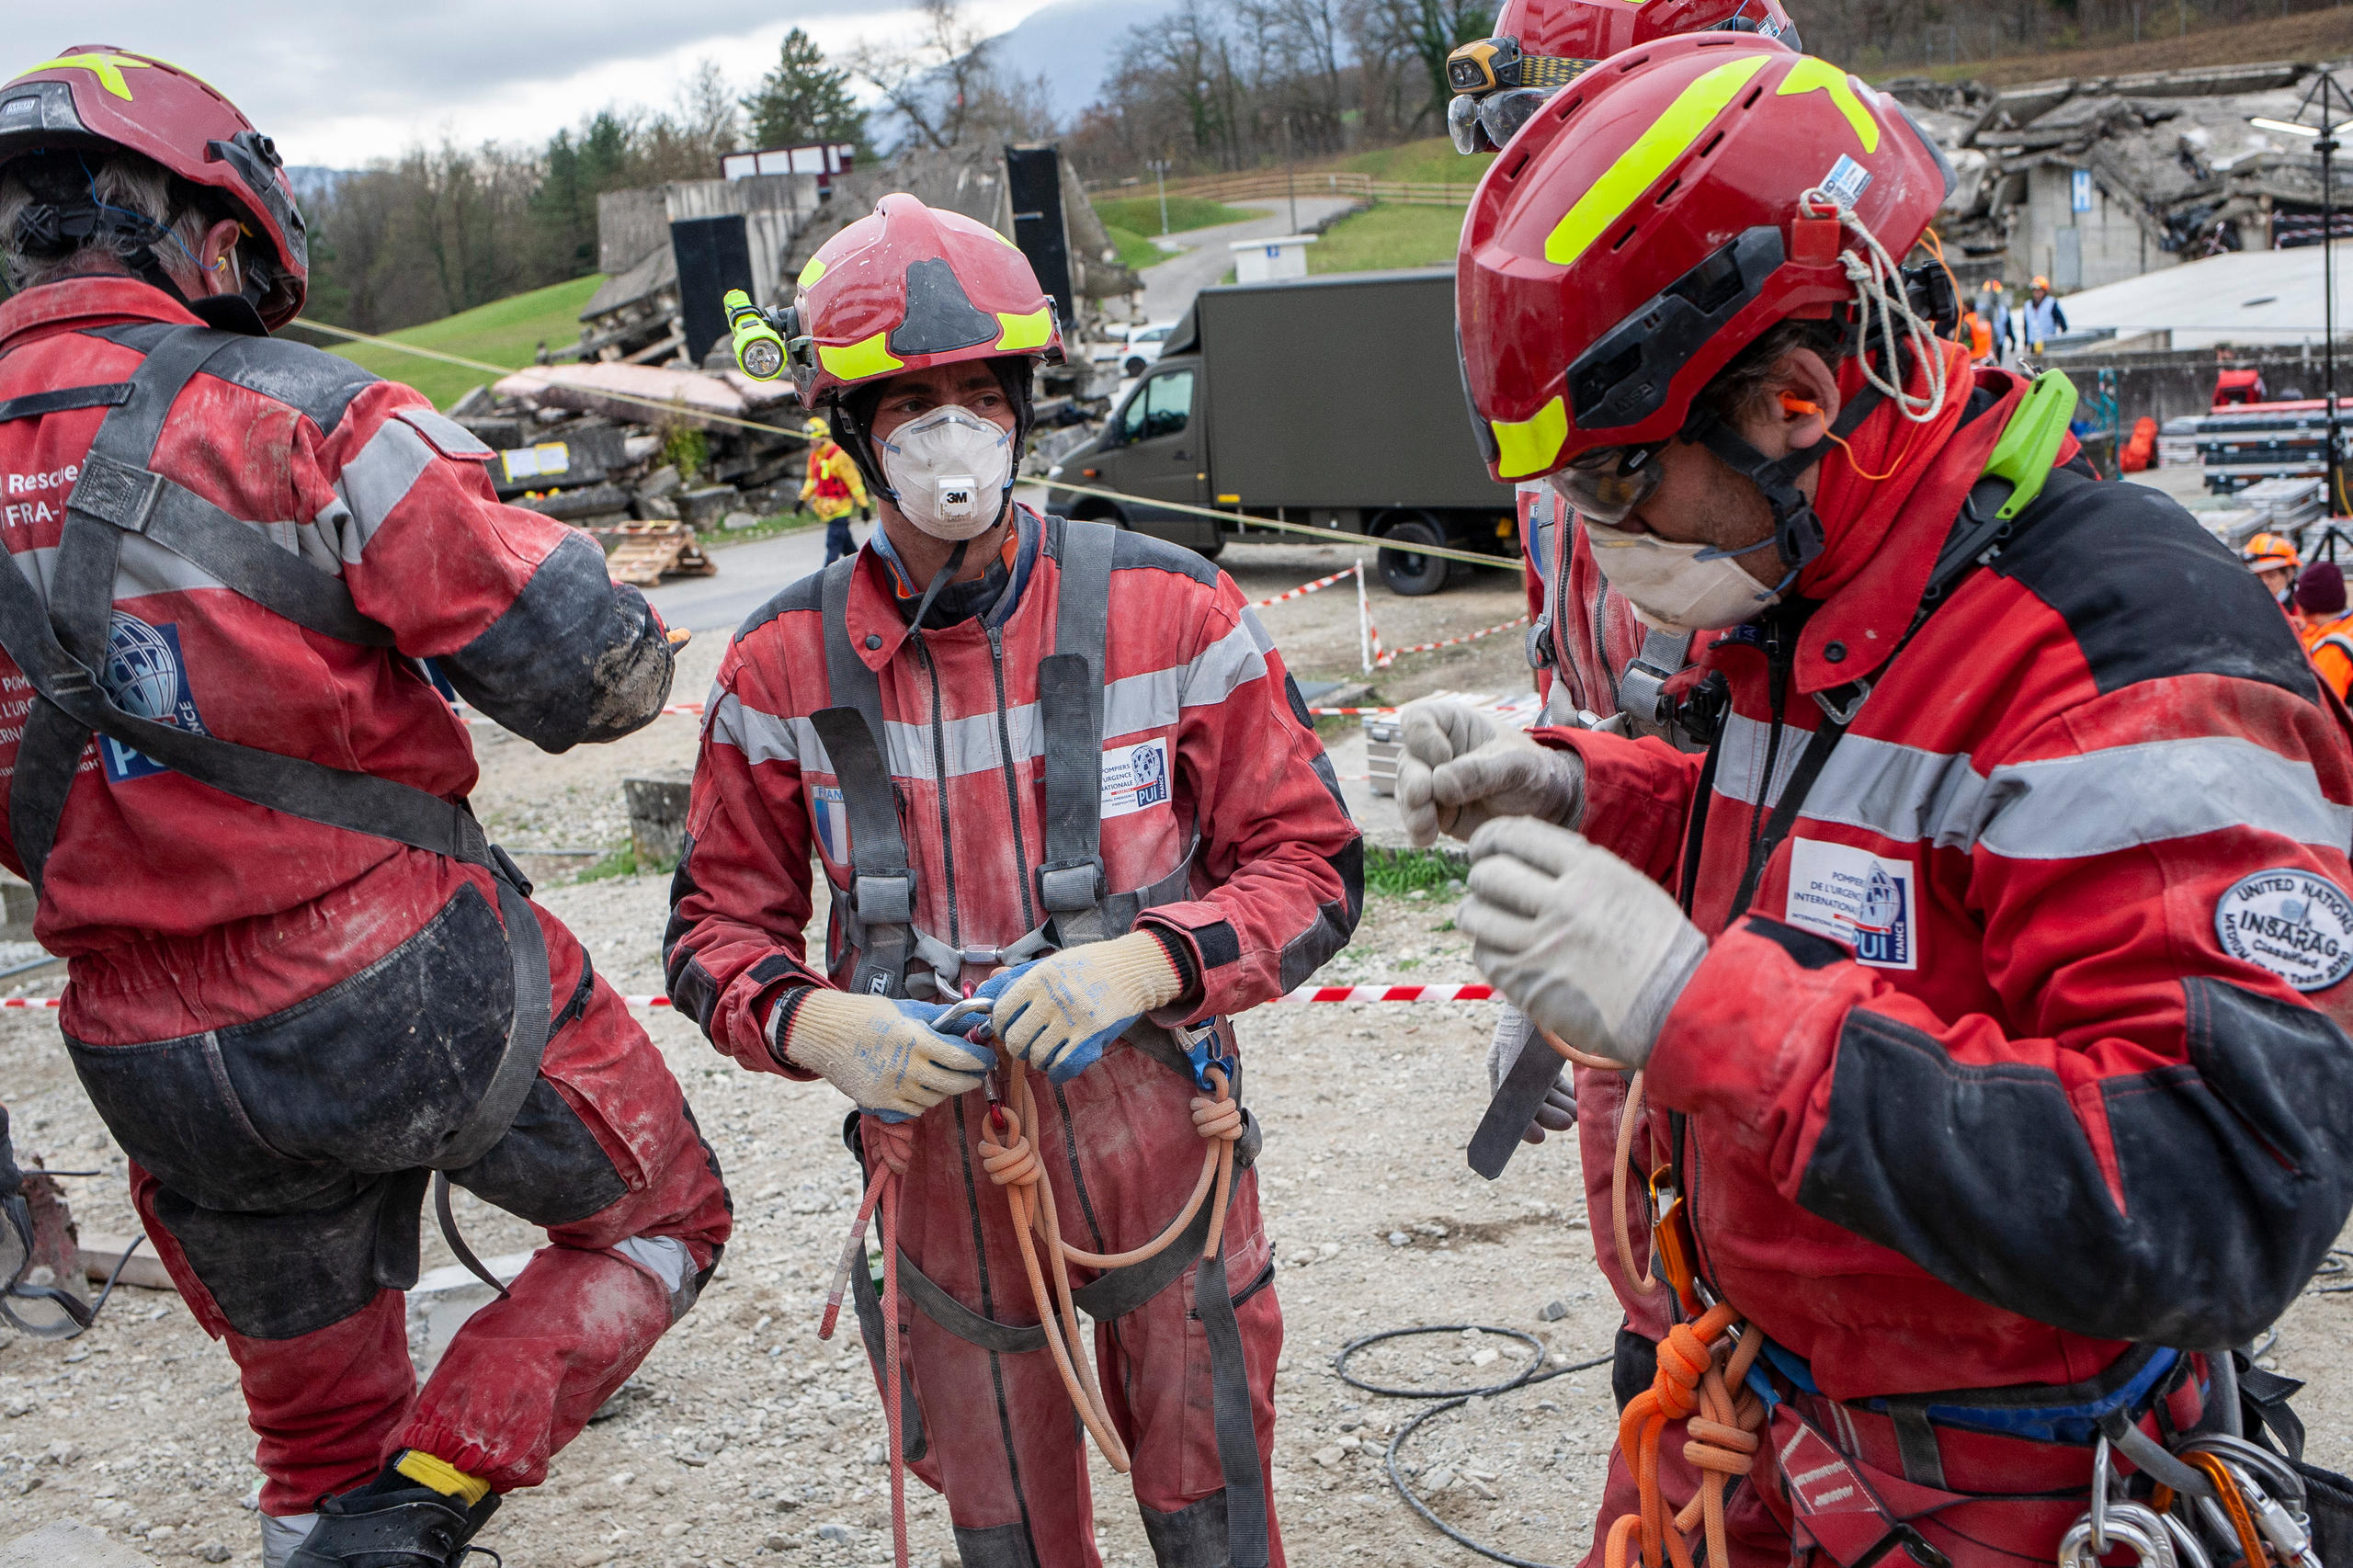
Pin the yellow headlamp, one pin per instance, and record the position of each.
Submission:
(759, 348)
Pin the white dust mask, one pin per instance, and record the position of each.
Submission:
(1681, 587)
(951, 469)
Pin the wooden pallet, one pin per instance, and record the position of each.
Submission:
(646, 552)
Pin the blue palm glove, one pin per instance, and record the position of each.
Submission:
(1058, 1013)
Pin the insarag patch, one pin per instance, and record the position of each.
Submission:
(2294, 922)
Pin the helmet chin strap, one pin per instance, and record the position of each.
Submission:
(1797, 528)
(940, 579)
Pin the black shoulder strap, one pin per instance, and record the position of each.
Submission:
(61, 647)
(1979, 534)
(32, 406)
(1071, 881)
(883, 884)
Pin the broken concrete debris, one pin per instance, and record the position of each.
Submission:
(2091, 180)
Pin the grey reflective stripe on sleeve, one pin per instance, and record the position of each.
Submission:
(377, 479)
(766, 737)
(1232, 661)
(1740, 766)
(2063, 808)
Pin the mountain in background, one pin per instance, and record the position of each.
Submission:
(1071, 43)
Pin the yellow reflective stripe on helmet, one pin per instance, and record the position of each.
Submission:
(107, 67)
(1811, 75)
(860, 360)
(1529, 448)
(1032, 331)
(1639, 167)
(810, 273)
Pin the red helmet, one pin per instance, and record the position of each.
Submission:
(1649, 224)
(1543, 45)
(909, 287)
(96, 96)
(1596, 29)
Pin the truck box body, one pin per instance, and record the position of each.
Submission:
(1332, 401)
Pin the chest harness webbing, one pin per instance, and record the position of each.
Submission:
(1071, 888)
(61, 648)
(2017, 489)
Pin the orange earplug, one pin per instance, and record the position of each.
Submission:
(1792, 404)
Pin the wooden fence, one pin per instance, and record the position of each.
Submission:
(1276, 186)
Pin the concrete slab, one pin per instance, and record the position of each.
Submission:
(69, 1543)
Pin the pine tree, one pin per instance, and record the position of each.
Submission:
(804, 100)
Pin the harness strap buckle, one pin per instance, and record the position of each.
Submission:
(884, 898)
(1067, 887)
(117, 492)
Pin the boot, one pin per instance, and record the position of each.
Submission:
(393, 1522)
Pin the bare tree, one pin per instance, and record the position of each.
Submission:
(935, 81)
(1422, 32)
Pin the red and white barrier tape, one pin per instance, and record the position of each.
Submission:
(1383, 659)
(1304, 589)
(1304, 994)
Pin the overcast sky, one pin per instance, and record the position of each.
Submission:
(341, 82)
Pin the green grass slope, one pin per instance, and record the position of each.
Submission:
(1431, 161)
(1141, 214)
(1388, 236)
(506, 332)
(1135, 251)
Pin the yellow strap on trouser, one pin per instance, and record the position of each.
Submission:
(442, 1476)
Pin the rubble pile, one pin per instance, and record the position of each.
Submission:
(2093, 179)
(645, 458)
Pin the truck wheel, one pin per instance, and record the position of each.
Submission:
(1408, 575)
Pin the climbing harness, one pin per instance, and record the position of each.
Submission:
(1008, 1154)
(890, 955)
(64, 649)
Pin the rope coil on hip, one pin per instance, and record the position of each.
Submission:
(1009, 1156)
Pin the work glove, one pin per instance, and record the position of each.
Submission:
(1516, 1032)
(1459, 769)
(1058, 1013)
(1580, 941)
(881, 1052)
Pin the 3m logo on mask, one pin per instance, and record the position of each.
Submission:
(1134, 777)
(145, 674)
(1854, 896)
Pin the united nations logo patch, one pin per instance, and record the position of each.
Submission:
(2297, 925)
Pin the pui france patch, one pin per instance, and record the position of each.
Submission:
(1135, 778)
(2297, 925)
(1851, 895)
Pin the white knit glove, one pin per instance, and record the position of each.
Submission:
(882, 1054)
(1516, 1032)
(1583, 943)
(1458, 769)
(1058, 1013)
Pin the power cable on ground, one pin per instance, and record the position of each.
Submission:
(1453, 1399)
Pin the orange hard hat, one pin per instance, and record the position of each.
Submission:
(2266, 551)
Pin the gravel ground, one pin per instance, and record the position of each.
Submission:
(744, 1439)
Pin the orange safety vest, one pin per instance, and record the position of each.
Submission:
(2334, 638)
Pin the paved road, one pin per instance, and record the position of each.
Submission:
(1169, 287)
(749, 575)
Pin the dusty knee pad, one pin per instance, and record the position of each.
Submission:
(667, 1259)
(1192, 1537)
(280, 1537)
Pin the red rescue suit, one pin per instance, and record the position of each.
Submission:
(283, 1021)
(2028, 1051)
(1219, 813)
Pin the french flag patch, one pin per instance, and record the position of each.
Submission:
(832, 819)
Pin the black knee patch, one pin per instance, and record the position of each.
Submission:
(1192, 1537)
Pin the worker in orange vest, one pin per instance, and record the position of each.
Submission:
(833, 490)
(2327, 631)
(2274, 561)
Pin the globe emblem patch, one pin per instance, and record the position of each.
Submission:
(2295, 923)
(145, 676)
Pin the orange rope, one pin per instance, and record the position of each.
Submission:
(1647, 1282)
(1700, 1369)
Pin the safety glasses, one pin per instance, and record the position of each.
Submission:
(30, 1301)
(1606, 484)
